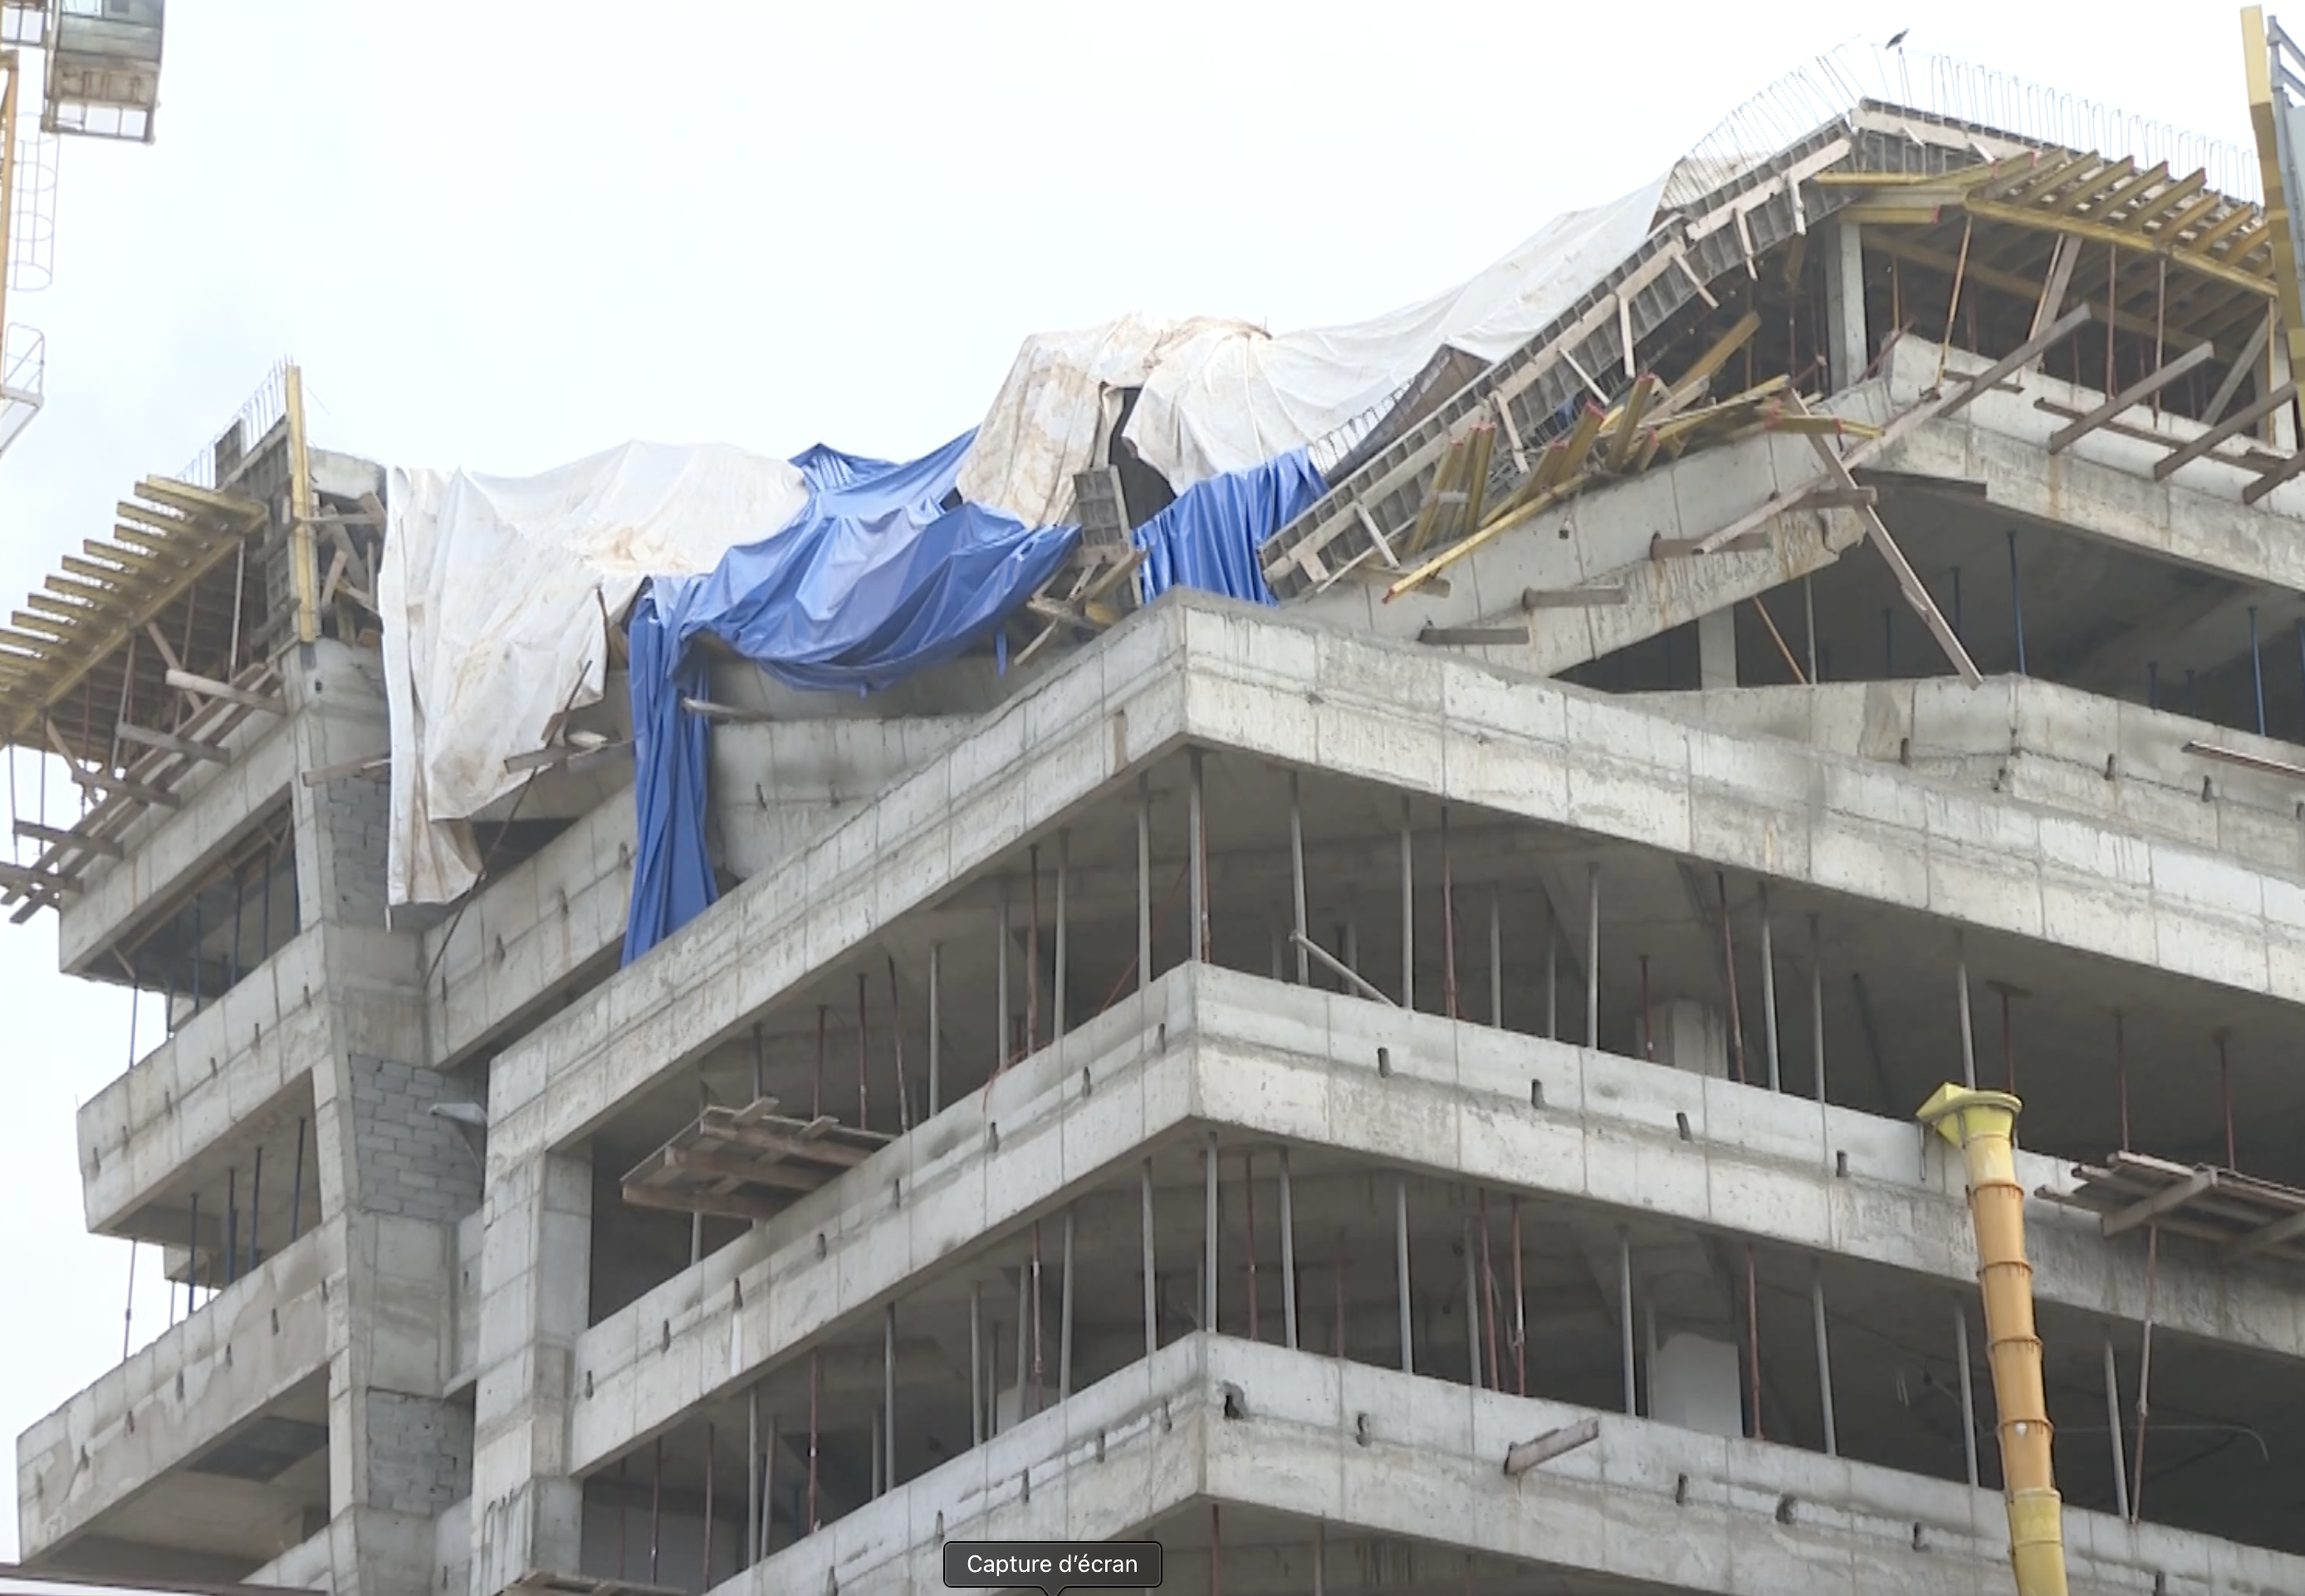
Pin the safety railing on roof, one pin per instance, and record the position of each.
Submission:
(265, 410)
(1839, 81)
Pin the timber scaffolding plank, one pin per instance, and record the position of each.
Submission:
(2242, 1216)
(1537, 394)
(152, 775)
(748, 1163)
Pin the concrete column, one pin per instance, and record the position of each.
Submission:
(1848, 347)
(535, 1281)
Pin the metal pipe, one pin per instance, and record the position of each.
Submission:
(1024, 1335)
(1151, 1294)
(815, 1370)
(620, 1517)
(816, 1099)
(1648, 1027)
(1340, 1294)
(1625, 1318)
(2256, 669)
(976, 1364)
(1037, 1365)
(1400, 1270)
(1032, 951)
(1408, 911)
(1592, 959)
(1769, 993)
(296, 1184)
(2017, 596)
(2224, 1093)
(1143, 882)
(1344, 971)
(2113, 1428)
(128, 1309)
(1551, 973)
(1808, 611)
(1297, 876)
(768, 1487)
(1209, 1241)
(709, 1439)
(2120, 1073)
(1064, 1319)
(1472, 1307)
(1816, 999)
(1005, 1038)
(896, 1048)
(656, 1508)
(888, 1395)
(192, 1256)
(1288, 1257)
(1824, 1362)
(1248, 1209)
(230, 1225)
(752, 1476)
(255, 1195)
(1968, 1391)
(1982, 1124)
(1196, 827)
(863, 1102)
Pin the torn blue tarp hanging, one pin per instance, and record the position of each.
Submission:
(1208, 538)
(871, 581)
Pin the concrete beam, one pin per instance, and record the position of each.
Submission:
(1373, 1452)
(1216, 1049)
(248, 1347)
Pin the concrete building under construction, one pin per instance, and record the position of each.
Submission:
(1471, 1054)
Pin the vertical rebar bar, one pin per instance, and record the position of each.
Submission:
(1197, 826)
(1808, 610)
(1551, 973)
(863, 1102)
(1648, 1027)
(1593, 959)
(1824, 1362)
(1817, 998)
(1152, 1291)
(1400, 1270)
(816, 1098)
(1024, 1334)
(769, 1487)
(1065, 1317)
(1769, 994)
(1296, 875)
(2256, 669)
(128, 1309)
(1288, 1256)
(1625, 1319)
(2017, 594)
(976, 1356)
(192, 1256)
(1968, 1392)
(623, 1504)
(1408, 911)
(1340, 1294)
(1209, 1240)
(1038, 1364)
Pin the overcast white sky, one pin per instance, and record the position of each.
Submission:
(505, 235)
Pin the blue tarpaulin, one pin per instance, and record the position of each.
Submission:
(1208, 538)
(869, 584)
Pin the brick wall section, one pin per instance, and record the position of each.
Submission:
(356, 811)
(420, 1453)
(411, 1162)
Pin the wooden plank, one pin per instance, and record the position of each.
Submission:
(808, 1142)
(2261, 1240)
(2070, 322)
(1551, 1444)
(169, 743)
(2165, 1201)
(1600, 593)
(2274, 478)
(17, 879)
(2136, 393)
(2249, 415)
(728, 1166)
(1473, 637)
(102, 847)
(725, 1205)
(1628, 429)
(2244, 364)
(207, 687)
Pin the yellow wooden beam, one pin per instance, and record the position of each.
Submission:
(2119, 238)
(1900, 212)
(2169, 198)
(306, 579)
(1627, 431)
(2265, 113)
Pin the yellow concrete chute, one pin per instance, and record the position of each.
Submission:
(1983, 1125)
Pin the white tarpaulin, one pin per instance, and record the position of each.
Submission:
(1221, 396)
(495, 595)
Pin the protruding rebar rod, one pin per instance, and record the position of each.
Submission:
(2120, 1071)
(2144, 1375)
(1038, 1365)
(1400, 1268)
(1288, 1256)
(1769, 994)
(230, 1225)
(1469, 1246)
(192, 1256)
(2017, 594)
(769, 1487)
(1728, 974)
(710, 1437)
(1648, 1025)
(1593, 959)
(1625, 1319)
(896, 1048)
(1753, 1338)
(656, 1509)
(816, 1099)
(1297, 874)
(1151, 1296)
(1824, 1362)
(1551, 973)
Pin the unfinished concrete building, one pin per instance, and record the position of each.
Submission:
(1411, 1087)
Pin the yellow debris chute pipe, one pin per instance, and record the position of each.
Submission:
(1983, 1125)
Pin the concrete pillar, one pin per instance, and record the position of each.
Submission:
(1848, 347)
(527, 1512)
(1716, 648)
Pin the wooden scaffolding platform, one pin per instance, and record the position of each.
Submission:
(749, 1163)
(2242, 1216)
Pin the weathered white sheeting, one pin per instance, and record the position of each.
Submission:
(1221, 396)
(496, 593)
